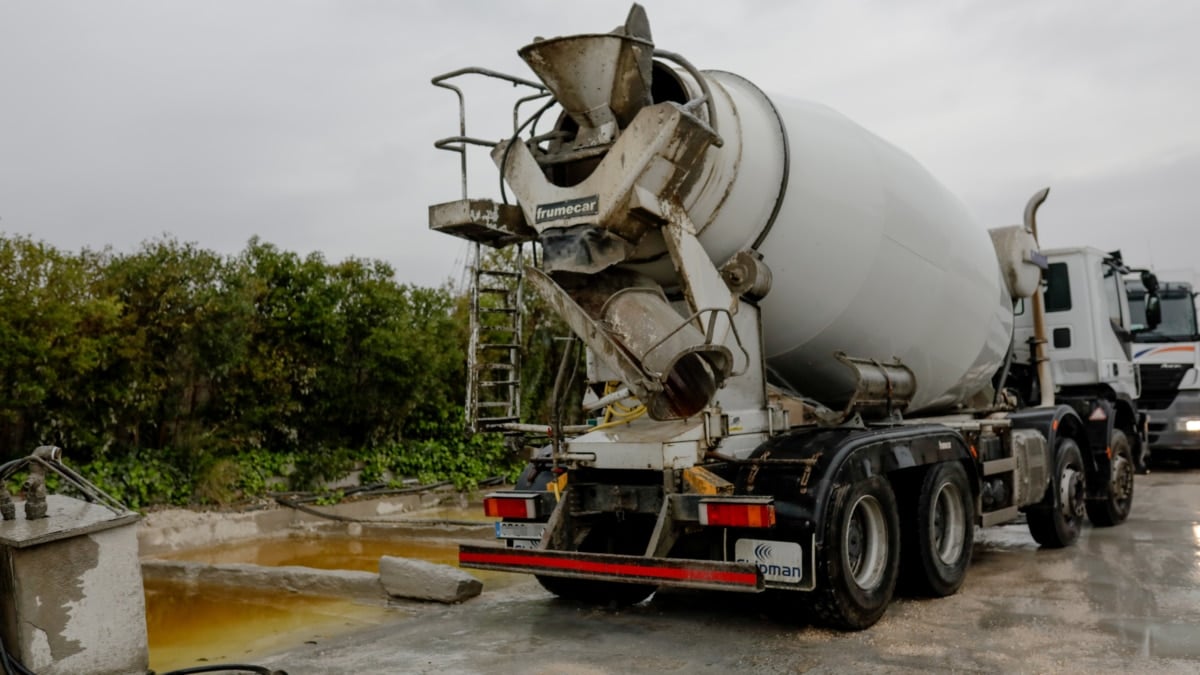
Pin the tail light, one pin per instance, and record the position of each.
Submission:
(727, 513)
(511, 506)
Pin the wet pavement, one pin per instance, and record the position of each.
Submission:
(1124, 599)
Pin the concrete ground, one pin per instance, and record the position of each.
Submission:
(1124, 599)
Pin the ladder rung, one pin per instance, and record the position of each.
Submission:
(484, 421)
(496, 366)
(499, 273)
(498, 345)
(495, 289)
(494, 404)
(492, 383)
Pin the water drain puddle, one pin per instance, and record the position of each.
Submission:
(193, 624)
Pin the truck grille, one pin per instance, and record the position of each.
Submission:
(1160, 383)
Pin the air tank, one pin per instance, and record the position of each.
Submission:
(870, 255)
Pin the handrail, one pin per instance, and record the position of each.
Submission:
(443, 82)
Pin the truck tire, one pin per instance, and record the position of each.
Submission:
(937, 545)
(857, 575)
(1056, 523)
(1115, 508)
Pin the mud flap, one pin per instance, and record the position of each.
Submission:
(785, 565)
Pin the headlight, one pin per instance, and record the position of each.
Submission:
(1187, 425)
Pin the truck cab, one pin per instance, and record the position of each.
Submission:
(1168, 357)
(1090, 327)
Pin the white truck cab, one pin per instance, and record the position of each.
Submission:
(1168, 357)
(1090, 328)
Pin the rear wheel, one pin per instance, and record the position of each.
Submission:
(1115, 508)
(1057, 524)
(857, 576)
(604, 538)
(937, 546)
(590, 592)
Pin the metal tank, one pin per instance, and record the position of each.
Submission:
(870, 256)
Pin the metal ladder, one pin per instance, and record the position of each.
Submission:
(494, 355)
(494, 352)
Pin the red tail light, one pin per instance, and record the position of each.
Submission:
(737, 514)
(510, 506)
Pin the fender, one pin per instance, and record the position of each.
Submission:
(1052, 423)
(1100, 418)
(836, 456)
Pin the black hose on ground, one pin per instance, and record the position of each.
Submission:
(10, 663)
(304, 508)
(301, 501)
(12, 666)
(225, 668)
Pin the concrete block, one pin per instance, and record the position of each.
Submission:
(71, 596)
(422, 580)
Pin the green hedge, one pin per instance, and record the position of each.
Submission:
(174, 374)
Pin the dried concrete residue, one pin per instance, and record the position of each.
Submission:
(63, 582)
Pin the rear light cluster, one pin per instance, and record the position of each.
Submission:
(510, 506)
(737, 514)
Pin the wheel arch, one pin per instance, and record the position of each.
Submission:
(897, 453)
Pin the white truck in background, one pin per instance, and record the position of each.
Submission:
(799, 347)
(1168, 356)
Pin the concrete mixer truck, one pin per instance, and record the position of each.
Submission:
(797, 347)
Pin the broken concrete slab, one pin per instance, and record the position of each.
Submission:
(347, 584)
(422, 580)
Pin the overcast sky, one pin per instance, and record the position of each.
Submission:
(310, 124)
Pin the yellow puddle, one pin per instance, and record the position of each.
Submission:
(192, 626)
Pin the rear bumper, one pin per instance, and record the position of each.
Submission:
(683, 573)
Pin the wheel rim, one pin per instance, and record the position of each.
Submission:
(949, 527)
(1072, 493)
(865, 542)
(1122, 481)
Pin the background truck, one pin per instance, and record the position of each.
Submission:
(798, 347)
(1168, 357)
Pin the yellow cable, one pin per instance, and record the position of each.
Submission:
(623, 420)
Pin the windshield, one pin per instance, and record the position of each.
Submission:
(1178, 315)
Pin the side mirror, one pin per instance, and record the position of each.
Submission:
(1153, 311)
(1150, 282)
